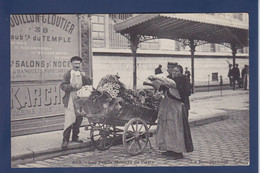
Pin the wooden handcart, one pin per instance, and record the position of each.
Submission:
(105, 120)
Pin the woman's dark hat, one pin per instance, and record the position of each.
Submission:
(76, 58)
(172, 64)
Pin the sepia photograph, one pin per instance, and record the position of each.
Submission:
(129, 90)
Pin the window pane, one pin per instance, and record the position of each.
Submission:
(214, 76)
(101, 35)
(94, 19)
(98, 27)
(98, 43)
(95, 35)
(101, 19)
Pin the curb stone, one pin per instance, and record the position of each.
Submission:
(55, 152)
(215, 96)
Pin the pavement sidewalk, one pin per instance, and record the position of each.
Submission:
(41, 146)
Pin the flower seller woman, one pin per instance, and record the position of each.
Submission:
(173, 132)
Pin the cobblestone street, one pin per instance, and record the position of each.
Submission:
(223, 143)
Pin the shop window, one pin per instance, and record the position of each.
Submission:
(214, 76)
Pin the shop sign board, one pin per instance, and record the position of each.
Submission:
(41, 47)
(32, 101)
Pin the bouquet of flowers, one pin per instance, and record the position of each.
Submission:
(111, 88)
(85, 91)
(111, 85)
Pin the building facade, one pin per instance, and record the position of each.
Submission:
(42, 45)
(112, 54)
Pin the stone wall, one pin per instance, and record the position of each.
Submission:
(123, 65)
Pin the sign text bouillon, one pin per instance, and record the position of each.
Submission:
(58, 21)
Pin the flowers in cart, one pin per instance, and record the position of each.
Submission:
(111, 88)
(111, 96)
(100, 101)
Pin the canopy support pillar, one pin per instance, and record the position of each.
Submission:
(192, 50)
(134, 41)
(192, 44)
(234, 52)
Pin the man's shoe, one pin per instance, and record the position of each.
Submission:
(77, 140)
(64, 144)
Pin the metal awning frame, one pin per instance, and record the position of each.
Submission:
(136, 37)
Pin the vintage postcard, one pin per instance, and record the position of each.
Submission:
(130, 90)
(106, 86)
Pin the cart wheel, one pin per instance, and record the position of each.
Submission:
(103, 136)
(135, 136)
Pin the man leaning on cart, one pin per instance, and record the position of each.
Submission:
(73, 80)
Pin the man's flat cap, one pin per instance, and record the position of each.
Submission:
(76, 58)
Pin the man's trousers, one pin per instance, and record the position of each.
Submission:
(75, 129)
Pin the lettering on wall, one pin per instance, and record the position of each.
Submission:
(42, 45)
(54, 20)
(34, 101)
(41, 48)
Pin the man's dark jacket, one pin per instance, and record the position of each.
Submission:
(236, 73)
